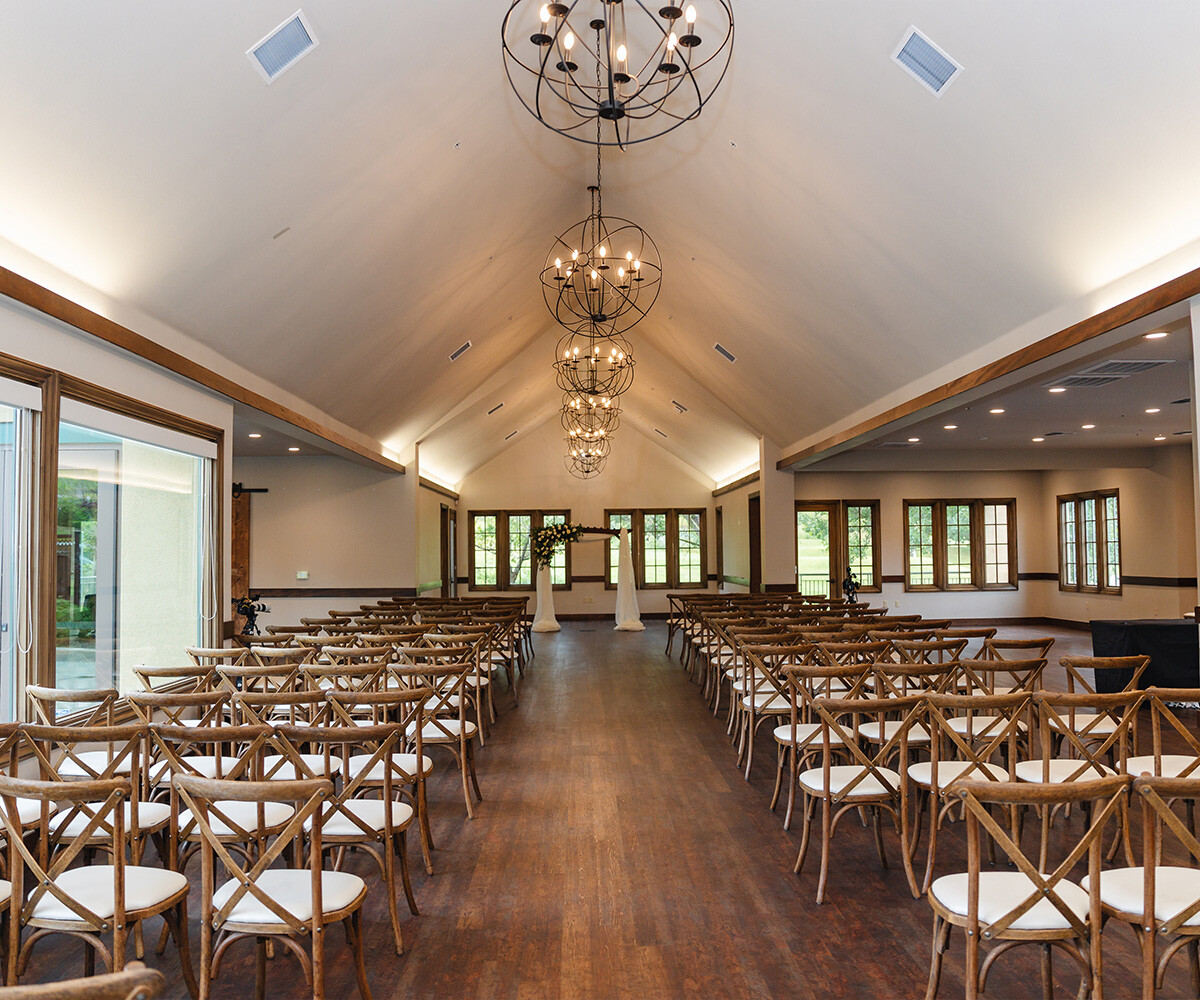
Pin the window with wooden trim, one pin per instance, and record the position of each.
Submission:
(1089, 542)
(501, 549)
(861, 522)
(960, 544)
(832, 538)
(669, 547)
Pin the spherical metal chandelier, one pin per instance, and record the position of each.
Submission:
(593, 363)
(586, 460)
(588, 418)
(641, 69)
(604, 269)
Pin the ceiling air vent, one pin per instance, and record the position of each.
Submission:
(724, 352)
(1105, 373)
(679, 406)
(511, 436)
(494, 408)
(926, 62)
(894, 444)
(461, 351)
(657, 431)
(281, 49)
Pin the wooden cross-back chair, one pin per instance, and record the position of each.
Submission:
(1169, 735)
(929, 650)
(994, 676)
(976, 737)
(975, 637)
(203, 656)
(266, 708)
(258, 901)
(739, 675)
(479, 636)
(51, 895)
(1016, 649)
(444, 671)
(760, 689)
(1032, 904)
(1160, 899)
(98, 703)
(358, 813)
(409, 765)
(504, 644)
(866, 780)
(58, 754)
(188, 678)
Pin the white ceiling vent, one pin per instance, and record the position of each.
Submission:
(494, 408)
(460, 352)
(926, 61)
(657, 431)
(280, 50)
(679, 406)
(1106, 373)
(894, 444)
(512, 435)
(725, 353)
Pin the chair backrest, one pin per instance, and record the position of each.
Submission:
(337, 676)
(98, 702)
(214, 657)
(1120, 668)
(860, 729)
(231, 752)
(1094, 728)
(134, 982)
(900, 679)
(1016, 649)
(445, 706)
(254, 708)
(929, 650)
(177, 708)
(852, 652)
(198, 678)
(1106, 796)
(975, 637)
(255, 677)
(1175, 746)
(206, 798)
(103, 803)
(978, 729)
(1158, 795)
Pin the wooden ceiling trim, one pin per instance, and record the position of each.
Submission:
(41, 299)
(1167, 294)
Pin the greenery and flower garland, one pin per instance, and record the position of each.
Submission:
(546, 540)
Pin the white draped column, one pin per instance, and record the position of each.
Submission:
(543, 617)
(629, 618)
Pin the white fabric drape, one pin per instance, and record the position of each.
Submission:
(543, 617)
(629, 618)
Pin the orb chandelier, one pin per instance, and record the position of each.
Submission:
(589, 418)
(586, 459)
(643, 69)
(603, 269)
(593, 363)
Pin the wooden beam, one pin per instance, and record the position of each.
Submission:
(735, 485)
(41, 299)
(1140, 306)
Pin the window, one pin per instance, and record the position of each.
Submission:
(834, 537)
(862, 542)
(668, 546)
(960, 544)
(501, 556)
(1089, 542)
(133, 550)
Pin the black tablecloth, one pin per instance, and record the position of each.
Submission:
(1173, 646)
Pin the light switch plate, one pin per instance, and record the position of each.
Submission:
(301, 574)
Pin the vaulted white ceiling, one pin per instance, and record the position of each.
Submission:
(840, 229)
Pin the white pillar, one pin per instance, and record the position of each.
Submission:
(408, 517)
(777, 492)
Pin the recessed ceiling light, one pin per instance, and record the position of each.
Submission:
(293, 449)
(1161, 437)
(1039, 440)
(1153, 409)
(1058, 388)
(913, 440)
(950, 427)
(1157, 335)
(1089, 427)
(254, 435)
(998, 409)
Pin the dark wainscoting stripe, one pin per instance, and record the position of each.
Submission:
(1037, 576)
(646, 616)
(892, 579)
(334, 591)
(585, 579)
(1064, 623)
(1157, 581)
(744, 481)
(780, 588)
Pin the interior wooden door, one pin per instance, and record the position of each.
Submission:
(754, 520)
(239, 563)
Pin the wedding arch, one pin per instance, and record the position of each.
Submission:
(547, 540)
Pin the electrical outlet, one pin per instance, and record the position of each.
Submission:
(589, 600)
(301, 574)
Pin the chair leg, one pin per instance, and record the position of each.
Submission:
(470, 757)
(780, 760)
(807, 806)
(793, 768)
(941, 941)
(176, 922)
(402, 847)
(426, 836)
(389, 883)
(826, 836)
(353, 925)
(462, 770)
(260, 967)
(1047, 973)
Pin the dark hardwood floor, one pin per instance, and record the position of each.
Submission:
(619, 853)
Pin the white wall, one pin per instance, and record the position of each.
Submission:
(530, 475)
(342, 522)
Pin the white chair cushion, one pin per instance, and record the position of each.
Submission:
(5, 892)
(92, 886)
(768, 703)
(840, 775)
(870, 731)
(950, 770)
(807, 734)
(151, 816)
(244, 814)
(370, 811)
(436, 704)
(291, 888)
(277, 767)
(1061, 769)
(1088, 721)
(30, 811)
(999, 892)
(443, 731)
(97, 759)
(1174, 765)
(1175, 889)
(406, 762)
(981, 726)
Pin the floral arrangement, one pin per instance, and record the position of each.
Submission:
(546, 540)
